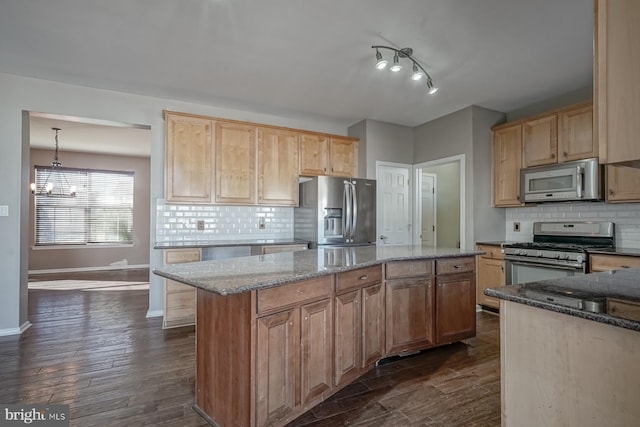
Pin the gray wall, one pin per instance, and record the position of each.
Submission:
(383, 141)
(20, 94)
(560, 101)
(51, 258)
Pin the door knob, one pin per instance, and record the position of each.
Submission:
(382, 237)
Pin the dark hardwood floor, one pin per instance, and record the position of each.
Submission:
(98, 353)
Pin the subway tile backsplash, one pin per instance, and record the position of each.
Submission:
(177, 223)
(626, 217)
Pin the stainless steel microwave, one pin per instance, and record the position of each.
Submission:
(580, 180)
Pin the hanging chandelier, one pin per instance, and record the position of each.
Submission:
(417, 70)
(55, 182)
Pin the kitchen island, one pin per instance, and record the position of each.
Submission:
(277, 334)
(570, 350)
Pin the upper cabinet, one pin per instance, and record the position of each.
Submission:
(507, 161)
(622, 184)
(575, 135)
(277, 167)
(188, 159)
(210, 160)
(334, 156)
(617, 80)
(235, 163)
(541, 141)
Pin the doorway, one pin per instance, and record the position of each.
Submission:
(443, 213)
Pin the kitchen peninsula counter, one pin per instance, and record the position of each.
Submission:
(567, 364)
(277, 334)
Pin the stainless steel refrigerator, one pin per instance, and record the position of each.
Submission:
(336, 212)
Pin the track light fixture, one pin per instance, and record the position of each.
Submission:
(418, 70)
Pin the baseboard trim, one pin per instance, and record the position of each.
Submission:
(155, 313)
(15, 331)
(80, 269)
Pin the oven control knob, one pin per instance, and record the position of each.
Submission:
(580, 258)
(539, 254)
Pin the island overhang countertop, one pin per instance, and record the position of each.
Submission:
(237, 275)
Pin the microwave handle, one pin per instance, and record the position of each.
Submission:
(579, 177)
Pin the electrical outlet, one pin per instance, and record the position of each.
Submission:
(200, 225)
(261, 224)
(516, 226)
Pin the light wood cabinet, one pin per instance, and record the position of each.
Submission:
(622, 184)
(507, 161)
(188, 159)
(410, 316)
(179, 299)
(277, 167)
(490, 274)
(575, 134)
(235, 178)
(617, 80)
(600, 262)
(335, 156)
(541, 141)
(359, 322)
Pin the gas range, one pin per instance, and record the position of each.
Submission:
(563, 244)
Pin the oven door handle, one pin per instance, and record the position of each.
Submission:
(541, 263)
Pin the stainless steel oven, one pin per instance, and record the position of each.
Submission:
(559, 249)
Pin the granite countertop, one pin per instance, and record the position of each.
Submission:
(617, 251)
(237, 275)
(223, 243)
(595, 289)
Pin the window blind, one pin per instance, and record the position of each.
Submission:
(101, 211)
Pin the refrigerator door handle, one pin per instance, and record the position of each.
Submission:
(347, 212)
(354, 218)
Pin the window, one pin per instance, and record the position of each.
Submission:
(101, 211)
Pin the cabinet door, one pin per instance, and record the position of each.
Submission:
(455, 307)
(342, 157)
(313, 154)
(541, 141)
(617, 80)
(373, 324)
(235, 163)
(575, 137)
(409, 315)
(188, 159)
(347, 336)
(277, 356)
(179, 299)
(623, 184)
(277, 167)
(316, 376)
(507, 161)
(490, 275)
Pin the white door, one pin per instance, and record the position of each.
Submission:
(394, 221)
(428, 215)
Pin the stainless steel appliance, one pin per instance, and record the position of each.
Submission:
(578, 181)
(336, 212)
(559, 249)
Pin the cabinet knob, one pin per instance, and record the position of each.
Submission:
(363, 277)
(565, 154)
(553, 156)
(611, 192)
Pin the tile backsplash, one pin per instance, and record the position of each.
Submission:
(626, 217)
(176, 223)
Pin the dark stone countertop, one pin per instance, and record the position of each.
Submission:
(243, 274)
(594, 289)
(226, 243)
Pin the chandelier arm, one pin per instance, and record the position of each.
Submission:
(403, 53)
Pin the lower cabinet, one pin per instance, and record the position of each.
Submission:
(179, 299)
(490, 274)
(455, 307)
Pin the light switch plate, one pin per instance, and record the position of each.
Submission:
(4, 210)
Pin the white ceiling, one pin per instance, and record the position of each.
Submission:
(307, 57)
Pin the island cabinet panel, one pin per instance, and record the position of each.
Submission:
(277, 358)
(188, 159)
(317, 350)
(359, 322)
(277, 167)
(455, 307)
(235, 156)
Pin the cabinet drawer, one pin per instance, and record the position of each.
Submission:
(612, 262)
(359, 277)
(493, 252)
(455, 265)
(181, 255)
(625, 309)
(401, 269)
(286, 295)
